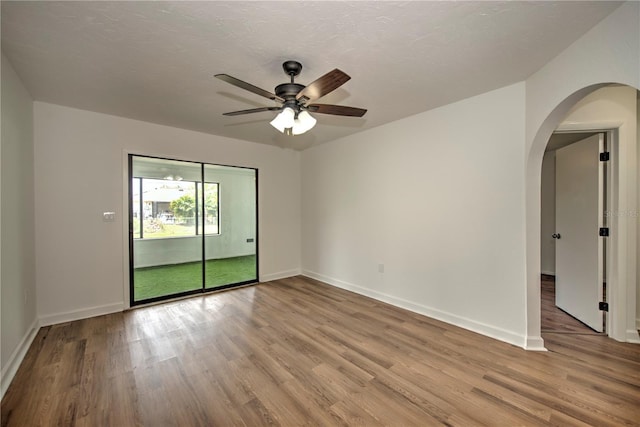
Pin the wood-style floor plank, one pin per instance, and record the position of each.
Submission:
(299, 352)
(552, 318)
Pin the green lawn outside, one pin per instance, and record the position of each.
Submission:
(151, 282)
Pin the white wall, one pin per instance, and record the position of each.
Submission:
(80, 172)
(548, 217)
(437, 198)
(178, 250)
(17, 278)
(609, 52)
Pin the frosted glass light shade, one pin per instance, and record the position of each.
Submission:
(303, 123)
(284, 120)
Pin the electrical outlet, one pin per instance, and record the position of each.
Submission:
(380, 268)
(108, 216)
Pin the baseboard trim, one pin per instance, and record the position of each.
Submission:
(535, 344)
(85, 313)
(632, 336)
(10, 369)
(453, 319)
(279, 275)
(548, 273)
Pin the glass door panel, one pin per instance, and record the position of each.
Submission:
(167, 245)
(230, 226)
(193, 227)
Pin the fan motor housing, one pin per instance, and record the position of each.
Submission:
(288, 90)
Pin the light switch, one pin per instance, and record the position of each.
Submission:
(108, 216)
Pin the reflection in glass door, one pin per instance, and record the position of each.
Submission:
(192, 227)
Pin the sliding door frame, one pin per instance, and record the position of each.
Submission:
(199, 204)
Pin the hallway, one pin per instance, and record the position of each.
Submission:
(553, 319)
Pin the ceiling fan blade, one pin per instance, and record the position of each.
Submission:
(337, 110)
(252, 110)
(248, 86)
(325, 84)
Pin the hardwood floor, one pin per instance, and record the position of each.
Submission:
(552, 318)
(299, 352)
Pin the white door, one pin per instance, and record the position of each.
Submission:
(579, 253)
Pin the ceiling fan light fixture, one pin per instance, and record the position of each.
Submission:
(294, 99)
(303, 123)
(284, 120)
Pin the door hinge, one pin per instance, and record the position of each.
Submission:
(604, 157)
(604, 306)
(604, 232)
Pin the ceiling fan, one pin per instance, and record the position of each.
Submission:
(295, 99)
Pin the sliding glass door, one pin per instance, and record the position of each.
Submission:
(193, 227)
(230, 238)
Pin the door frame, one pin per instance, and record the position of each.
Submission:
(611, 259)
(606, 187)
(127, 250)
(541, 124)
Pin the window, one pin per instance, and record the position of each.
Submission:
(171, 208)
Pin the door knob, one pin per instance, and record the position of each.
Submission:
(556, 235)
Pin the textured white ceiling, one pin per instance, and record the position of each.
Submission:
(155, 61)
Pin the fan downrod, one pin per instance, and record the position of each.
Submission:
(288, 91)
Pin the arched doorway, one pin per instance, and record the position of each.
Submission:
(623, 275)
